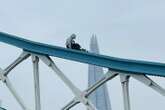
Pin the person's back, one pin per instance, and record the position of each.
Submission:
(70, 41)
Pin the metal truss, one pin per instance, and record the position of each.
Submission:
(80, 96)
(124, 79)
(6, 81)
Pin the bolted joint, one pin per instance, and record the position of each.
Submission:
(85, 94)
(24, 55)
(85, 101)
(142, 78)
(46, 60)
(3, 77)
(124, 78)
(35, 59)
(81, 97)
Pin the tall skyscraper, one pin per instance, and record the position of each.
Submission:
(100, 97)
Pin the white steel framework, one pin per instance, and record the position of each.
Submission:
(80, 96)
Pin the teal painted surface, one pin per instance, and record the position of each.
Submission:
(126, 65)
(2, 108)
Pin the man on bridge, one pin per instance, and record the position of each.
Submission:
(70, 43)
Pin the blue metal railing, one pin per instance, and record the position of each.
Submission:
(125, 65)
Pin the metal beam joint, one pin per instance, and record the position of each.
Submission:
(2, 76)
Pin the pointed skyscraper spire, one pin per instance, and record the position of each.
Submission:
(100, 97)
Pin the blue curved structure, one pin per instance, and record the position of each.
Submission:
(118, 64)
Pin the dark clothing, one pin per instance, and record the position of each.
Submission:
(67, 46)
(76, 46)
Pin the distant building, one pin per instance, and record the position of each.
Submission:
(100, 97)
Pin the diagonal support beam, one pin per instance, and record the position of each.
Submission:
(125, 88)
(35, 61)
(15, 94)
(12, 90)
(24, 55)
(150, 83)
(108, 76)
(48, 61)
(71, 104)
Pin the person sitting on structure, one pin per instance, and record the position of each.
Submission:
(70, 43)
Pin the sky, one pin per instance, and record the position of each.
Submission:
(131, 29)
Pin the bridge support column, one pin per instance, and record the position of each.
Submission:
(125, 88)
(35, 61)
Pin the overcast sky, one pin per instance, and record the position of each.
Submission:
(125, 28)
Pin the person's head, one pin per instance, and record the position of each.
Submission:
(73, 36)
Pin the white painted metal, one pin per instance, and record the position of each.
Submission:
(35, 61)
(150, 83)
(73, 88)
(24, 55)
(2, 77)
(80, 97)
(12, 89)
(15, 94)
(108, 76)
(71, 104)
(125, 88)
